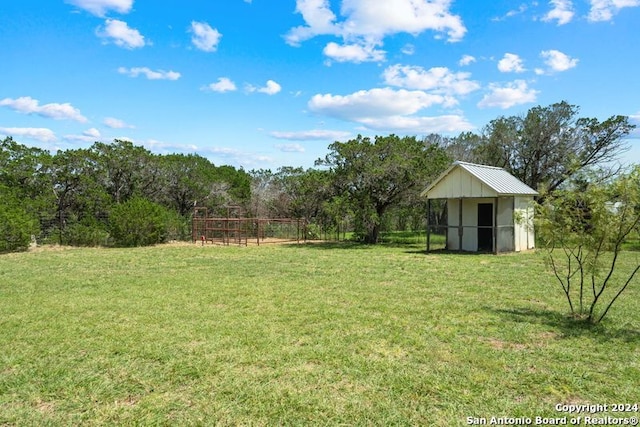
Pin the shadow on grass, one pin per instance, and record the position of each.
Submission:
(410, 248)
(567, 326)
(452, 252)
(318, 244)
(328, 245)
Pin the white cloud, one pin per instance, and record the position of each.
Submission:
(121, 35)
(366, 23)
(116, 123)
(40, 134)
(558, 61)
(204, 37)
(377, 18)
(89, 135)
(437, 79)
(511, 63)
(311, 135)
(271, 88)
(149, 74)
(28, 105)
(290, 148)
(101, 7)
(562, 12)
(373, 103)
(165, 147)
(466, 60)
(513, 12)
(318, 17)
(451, 123)
(223, 84)
(353, 53)
(389, 110)
(635, 120)
(603, 10)
(513, 93)
(93, 133)
(408, 49)
(235, 156)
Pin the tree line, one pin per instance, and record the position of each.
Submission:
(123, 194)
(91, 196)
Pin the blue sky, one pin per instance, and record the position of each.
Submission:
(263, 84)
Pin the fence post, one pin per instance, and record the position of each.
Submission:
(428, 224)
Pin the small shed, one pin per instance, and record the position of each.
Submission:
(488, 209)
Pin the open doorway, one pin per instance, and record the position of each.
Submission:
(485, 227)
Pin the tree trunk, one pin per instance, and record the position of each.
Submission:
(372, 235)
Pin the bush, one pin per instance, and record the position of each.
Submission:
(583, 229)
(16, 225)
(314, 232)
(139, 222)
(85, 233)
(178, 227)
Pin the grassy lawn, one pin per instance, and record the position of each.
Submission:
(329, 334)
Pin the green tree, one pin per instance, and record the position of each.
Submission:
(336, 215)
(190, 179)
(376, 175)
(17, 225)
(238, 182)
(265, 192)
(303, 192)
(551, 144)
(187, 180)
(125, 170)
(463, 147)
(27, 171)
(139, 222)
(82, 204)
(582, 228)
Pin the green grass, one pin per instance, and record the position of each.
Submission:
(324, 334)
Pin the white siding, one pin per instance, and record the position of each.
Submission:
(470, 218)
(505, 225)
(505, 211)
(466, 185)
(460, 183)
(470, 221)
(525, 237)
(512, 235)
(453, 212)
(463, 179)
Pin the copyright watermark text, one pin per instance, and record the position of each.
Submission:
(571, 414)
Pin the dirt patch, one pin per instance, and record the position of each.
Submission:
(249, 242)
(540, 340)
(45, 407)
(505, 345)
(49, 248)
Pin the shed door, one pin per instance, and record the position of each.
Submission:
(485, 227)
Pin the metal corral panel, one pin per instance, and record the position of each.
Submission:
(470, 180)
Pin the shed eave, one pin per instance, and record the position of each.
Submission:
(490, 176)
(481, 197)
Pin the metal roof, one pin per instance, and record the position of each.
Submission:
(501, 181)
